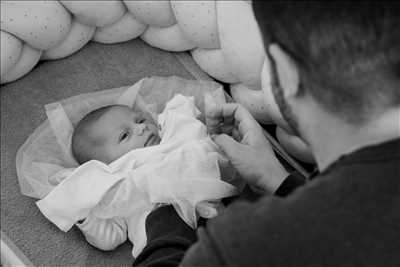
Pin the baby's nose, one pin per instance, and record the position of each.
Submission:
(140, 128)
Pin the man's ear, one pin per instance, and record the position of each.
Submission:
(287, 71)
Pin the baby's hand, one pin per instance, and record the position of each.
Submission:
(212, 102)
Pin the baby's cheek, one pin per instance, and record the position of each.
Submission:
(126, 148)
(116, 152)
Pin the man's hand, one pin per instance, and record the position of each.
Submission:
(248, 151)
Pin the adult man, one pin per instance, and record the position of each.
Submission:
(337, 83)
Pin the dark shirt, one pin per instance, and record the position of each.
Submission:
(348, 216)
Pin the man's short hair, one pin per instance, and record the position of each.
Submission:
(348, 53)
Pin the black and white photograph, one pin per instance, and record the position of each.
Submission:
(199, 133)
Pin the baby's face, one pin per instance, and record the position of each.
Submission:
(120, 130)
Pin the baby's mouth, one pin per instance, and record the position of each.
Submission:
(152, 140)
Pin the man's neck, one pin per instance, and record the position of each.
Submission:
(329, 145)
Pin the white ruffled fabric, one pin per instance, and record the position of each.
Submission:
(183, 170)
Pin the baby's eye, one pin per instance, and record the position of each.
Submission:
(141, 120)
(123, 136)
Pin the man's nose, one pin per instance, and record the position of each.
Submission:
(139, 128)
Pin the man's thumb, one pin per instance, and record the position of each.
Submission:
(228, 145)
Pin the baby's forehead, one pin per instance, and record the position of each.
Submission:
(120, 109)
(118, 112)
(114, 116)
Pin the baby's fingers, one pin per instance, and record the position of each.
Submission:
(220, 118)
(213, 116)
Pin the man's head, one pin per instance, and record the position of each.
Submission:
(345, 57)
(107, 133)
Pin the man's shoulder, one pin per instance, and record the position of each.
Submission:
(327, 219)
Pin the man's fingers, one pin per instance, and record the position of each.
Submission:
(255, 138)
(245, 121)
(230, 147)
(236, 135)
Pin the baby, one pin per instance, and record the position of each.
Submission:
(107, 133)
(129, 165)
